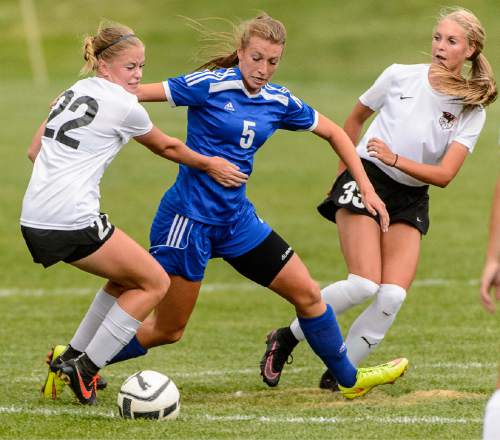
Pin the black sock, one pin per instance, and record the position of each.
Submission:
(90, 368)
(287, 336)
(69, 353)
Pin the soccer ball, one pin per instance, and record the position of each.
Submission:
(148, 395)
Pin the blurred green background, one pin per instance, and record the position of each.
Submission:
(335, 50)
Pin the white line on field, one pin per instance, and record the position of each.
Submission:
(213, 287)
(402, 420)
(290, 371)
(398, 420)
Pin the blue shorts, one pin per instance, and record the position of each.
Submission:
(183, 246)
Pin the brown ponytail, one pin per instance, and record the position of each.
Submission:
(223, 45)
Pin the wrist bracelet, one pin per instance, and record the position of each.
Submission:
(395, 160)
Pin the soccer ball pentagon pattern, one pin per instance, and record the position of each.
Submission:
(149, 395)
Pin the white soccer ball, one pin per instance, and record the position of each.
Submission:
(149, 395)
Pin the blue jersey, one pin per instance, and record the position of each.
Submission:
(225, 120)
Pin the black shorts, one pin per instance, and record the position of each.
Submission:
(48, 246)
(408, 204)
(264, 261)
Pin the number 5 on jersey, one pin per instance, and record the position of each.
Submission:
(247, 135)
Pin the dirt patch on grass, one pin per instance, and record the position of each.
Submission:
(379, 398)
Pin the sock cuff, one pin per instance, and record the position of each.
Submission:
(105, 299)
(390, 298)
(393, 289)
(318, 322)
(363, 283)
(120, 324)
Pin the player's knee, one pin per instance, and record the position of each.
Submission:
(309, 296)
(157, 285)
(170, 336)
(390, 298)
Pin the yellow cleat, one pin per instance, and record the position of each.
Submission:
(53, 385)
(368, 378)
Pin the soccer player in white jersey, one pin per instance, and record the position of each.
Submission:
(61, 220)
(489, 293)
(232, 110)
(428, 120)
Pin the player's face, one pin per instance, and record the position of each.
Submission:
(125, 68)
(450, 47)
(258, 61)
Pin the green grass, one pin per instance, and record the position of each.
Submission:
(334, 52)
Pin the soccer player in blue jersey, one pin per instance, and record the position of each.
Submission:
(232, 111)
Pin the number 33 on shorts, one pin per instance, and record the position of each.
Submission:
(351, 195)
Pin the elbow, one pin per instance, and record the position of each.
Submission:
(444, 180)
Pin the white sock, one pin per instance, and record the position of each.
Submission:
(342, 295)
(369, 329)
(96, 313)
(116, 331)
(491, 430)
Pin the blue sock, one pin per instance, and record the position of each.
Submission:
(324, 337)
(132, 350)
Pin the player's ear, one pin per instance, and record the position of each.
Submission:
(102, 68)
(470, 51)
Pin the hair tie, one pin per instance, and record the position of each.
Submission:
(123, 37)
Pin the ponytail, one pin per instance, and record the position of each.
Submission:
(479, 87)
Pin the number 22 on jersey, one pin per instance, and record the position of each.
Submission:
(85, 119)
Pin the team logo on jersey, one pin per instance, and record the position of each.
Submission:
(447, 120)
(229, 107)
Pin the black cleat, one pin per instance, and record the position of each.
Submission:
(80, 375)
(280, 344)
(66, 355)
(101, 382)
(329, 382)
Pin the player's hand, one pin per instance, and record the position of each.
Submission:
(379, 149)
(490, 285)
(226, 173)
(374, 204)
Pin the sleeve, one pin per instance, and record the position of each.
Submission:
(469, 127)
(374, 97)
(135, 123)
(299, 116)
(188, 90)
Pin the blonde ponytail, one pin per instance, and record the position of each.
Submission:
(111, 38)
(479, 87)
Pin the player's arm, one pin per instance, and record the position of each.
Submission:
(440, 174)
(153, 92)
(353, 125)
(222, 171)
(345, 149)
(36, 142)
(490, 280)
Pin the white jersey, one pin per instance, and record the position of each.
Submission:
(414, 120)
(85, 130)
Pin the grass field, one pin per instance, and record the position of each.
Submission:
(334, 52)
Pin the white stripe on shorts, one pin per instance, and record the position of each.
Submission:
(177, 231)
